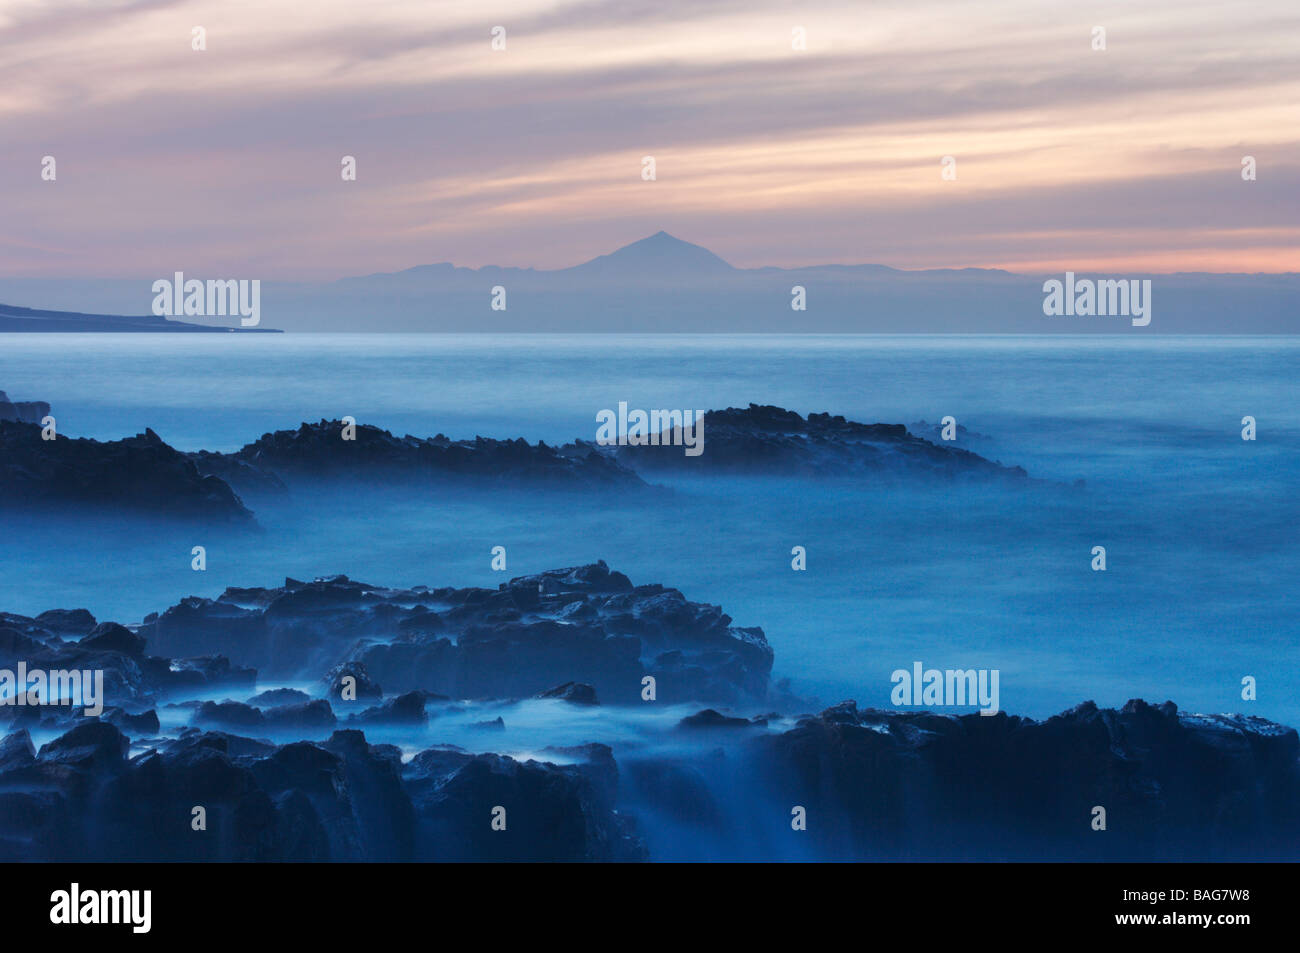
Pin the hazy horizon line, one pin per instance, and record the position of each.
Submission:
(1083, 267)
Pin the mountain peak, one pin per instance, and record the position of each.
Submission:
(658, 252)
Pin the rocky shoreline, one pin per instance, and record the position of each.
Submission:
(871, 784)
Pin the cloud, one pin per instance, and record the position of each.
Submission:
(229, 158)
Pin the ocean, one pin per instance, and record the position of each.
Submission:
(1199, 525)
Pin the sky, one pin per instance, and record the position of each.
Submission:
(227, 160)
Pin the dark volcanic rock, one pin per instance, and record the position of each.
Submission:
(341, 799)
(111, 637)
(92, 744)
(522, 638)
(711, 718)
(140, 474)
(769, 440)
(313, 716)
(207, 671)
(309, 717)
(318, 451)
(229, 714)
(195, 625)
(278, 697)
(15, 645)
(28, 412)
(596, 763)
(354, 791)
(916, 785)
(67, 622)
(934, 434)
(677, 791)
(407, 709)
(16, 750)
(362, 684)
(552, 812)
(132, 680)
(573, 692)
(134, 725)
(244, 477)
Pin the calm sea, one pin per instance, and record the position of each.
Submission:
(1200, 527)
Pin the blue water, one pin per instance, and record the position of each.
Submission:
(1199, 525)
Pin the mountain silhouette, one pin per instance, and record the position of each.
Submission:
(662, 283)
(659, 252)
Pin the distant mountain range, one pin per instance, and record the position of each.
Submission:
(662, 283)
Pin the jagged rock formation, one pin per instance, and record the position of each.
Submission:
(895, 785)
(555, 812)
(286, 774)
(584, 624)
(316, 452)
(133, 681)
(760, 440)
(875, 785)
(82, 798)
(28, 412)
(139, 474)
(767, 440)
(934, 433)
(575, 693)
(144, 474)
(250, 480)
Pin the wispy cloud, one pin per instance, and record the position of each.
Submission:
(228, 159)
